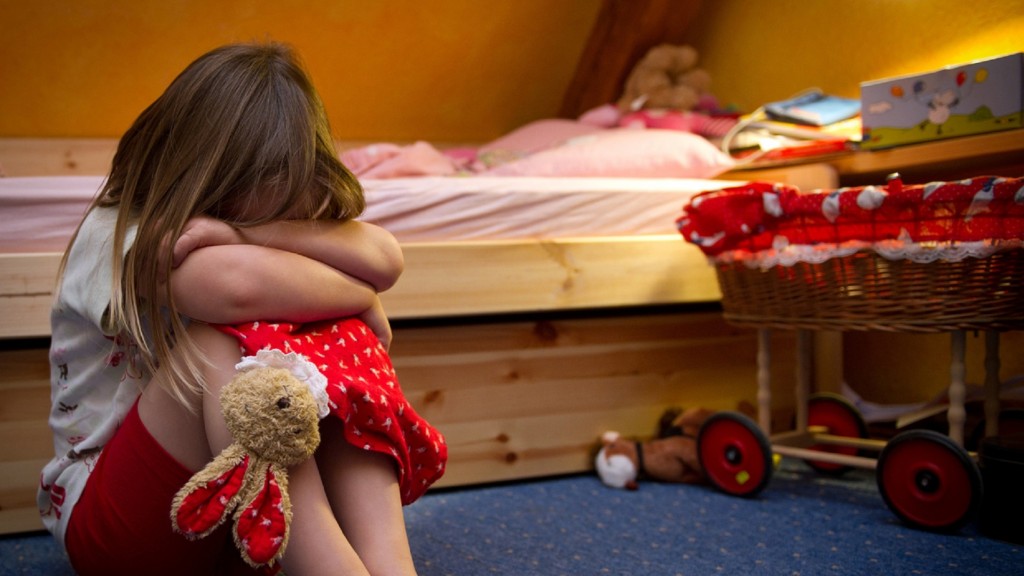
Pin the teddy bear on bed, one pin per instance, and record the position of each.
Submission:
(666, 78)
(671, 457)
(667, 90)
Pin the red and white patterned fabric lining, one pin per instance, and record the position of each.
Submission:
(766, 224)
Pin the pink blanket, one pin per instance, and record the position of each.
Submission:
(552, 147)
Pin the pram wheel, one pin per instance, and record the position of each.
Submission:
(929, 481)
(840, 418)
(734, 453)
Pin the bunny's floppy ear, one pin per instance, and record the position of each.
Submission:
(253, 491)
(207, 499)
(261, 523)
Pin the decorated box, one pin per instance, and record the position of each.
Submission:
(980, 96)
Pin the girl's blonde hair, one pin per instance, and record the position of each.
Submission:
(240, 135)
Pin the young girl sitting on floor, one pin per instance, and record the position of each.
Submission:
(226, 203)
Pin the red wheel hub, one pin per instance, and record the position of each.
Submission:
(735, 455)
(929, 481)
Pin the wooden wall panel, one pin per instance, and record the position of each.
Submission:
(515, 398)
(529, 398)
(27, 443)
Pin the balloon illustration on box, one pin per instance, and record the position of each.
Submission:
(971, 98)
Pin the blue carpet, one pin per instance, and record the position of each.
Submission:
(802, 524)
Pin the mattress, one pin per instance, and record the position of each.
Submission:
(39, 214)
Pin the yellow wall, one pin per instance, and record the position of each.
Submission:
(456, 70)
(445, 70)
(758, 52)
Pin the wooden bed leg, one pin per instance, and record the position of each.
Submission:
(991, 383)
(803, 376)
(764, 380)
(827, 361)
(957, 388)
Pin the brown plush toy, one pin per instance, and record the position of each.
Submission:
(672, 457)
(272, 410)
(666, 78)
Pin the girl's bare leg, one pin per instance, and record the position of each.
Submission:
(363, 490)
(183, 430)
(317, 544)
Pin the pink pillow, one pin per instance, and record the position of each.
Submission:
(625, 152)
(531, 138)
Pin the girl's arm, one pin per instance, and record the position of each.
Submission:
(240, 282)
(363, 250)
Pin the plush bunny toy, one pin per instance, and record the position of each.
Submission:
(291, 375)
(272, 408)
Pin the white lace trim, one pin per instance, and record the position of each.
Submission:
(784, 254)
(303, 370)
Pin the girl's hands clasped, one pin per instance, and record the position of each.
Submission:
(200, 232)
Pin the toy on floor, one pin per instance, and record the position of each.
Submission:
(671, 457)
(272, 407)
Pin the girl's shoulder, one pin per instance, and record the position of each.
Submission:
(97, 230)
(99, 219)
(85, 287)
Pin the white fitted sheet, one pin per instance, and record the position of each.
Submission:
(39, 214)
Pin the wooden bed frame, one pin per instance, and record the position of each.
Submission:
(521, 352)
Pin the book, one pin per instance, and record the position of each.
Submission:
(848, 129)
(813, 109)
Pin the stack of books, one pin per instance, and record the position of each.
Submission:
(812, 124)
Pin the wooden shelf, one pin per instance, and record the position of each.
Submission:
(968, 152)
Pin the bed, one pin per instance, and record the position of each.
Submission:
(535, 313)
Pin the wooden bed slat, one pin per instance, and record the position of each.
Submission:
(56, 156)
(443, 279)
(26, 293)
(446, 279)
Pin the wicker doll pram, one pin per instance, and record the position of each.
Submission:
(939, 257)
